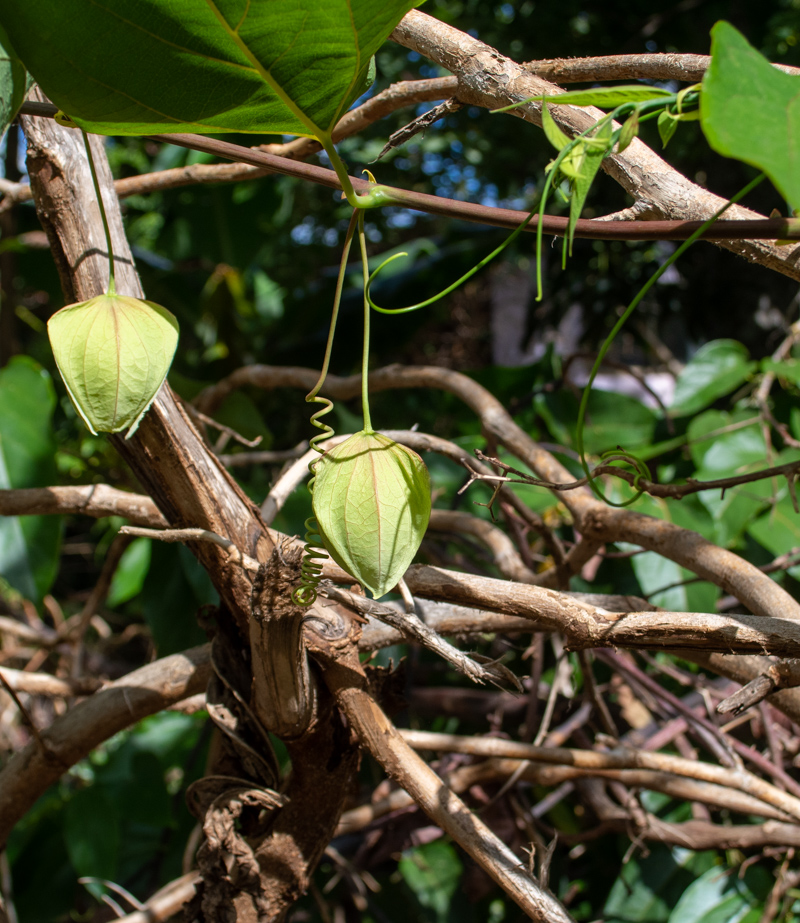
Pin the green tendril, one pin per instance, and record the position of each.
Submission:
(453, 286)
(637, 463)
(313, 552)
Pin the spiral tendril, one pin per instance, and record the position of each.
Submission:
(313, 551)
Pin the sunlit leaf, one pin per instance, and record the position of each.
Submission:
(751, 111)
(715, 370)
(667, 126)
(591, 158)
(113, 353)
(552, 132)
(144, 66)
(629, 130)
(372, 502)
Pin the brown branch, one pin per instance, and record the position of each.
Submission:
(345, 678)
(420, 124)
(45, 684)
(619, 758)
(71, 737)
(688, 68)
(496, 769)
(166, 902)
(784, 674)
(586, 626)
(489, 80)
(411, 627)
(95, 500)
(505, 556)
(167, 454)
(397, 96)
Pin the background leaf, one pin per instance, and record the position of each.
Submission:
(14, 83)
(715, 370)
(286, 66)
(29, 545)
(751, 111)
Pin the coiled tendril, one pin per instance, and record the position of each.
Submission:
(314, 552)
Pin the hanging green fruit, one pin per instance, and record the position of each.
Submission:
(372, 502)
(113, 353)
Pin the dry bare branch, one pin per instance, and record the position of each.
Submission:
(346, 680)
(688, 68)
(619, 758)
(72, 736)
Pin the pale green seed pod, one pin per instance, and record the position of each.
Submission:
(372, 502)
(113, 353)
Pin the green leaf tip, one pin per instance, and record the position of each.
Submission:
(372, 502)
(750, 110)
(113, 353)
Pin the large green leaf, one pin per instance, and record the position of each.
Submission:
(29, 545)
(649, 887)
(719, 897)
(432, 872)
(778, 530)
(715, 370)
(612, 419)
(751, 111)
(14, 83)
(143, 66)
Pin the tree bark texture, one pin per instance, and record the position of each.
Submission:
(191, 489)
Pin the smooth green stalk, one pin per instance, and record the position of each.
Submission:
(365, 350)
(335, 313)
(111, 290)
(618, 326)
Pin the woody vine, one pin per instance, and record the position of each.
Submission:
(112, 384)
(96, 389)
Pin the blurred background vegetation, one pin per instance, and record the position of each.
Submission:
(249, 271)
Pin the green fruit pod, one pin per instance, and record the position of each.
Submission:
(113, 353)
(372, 503)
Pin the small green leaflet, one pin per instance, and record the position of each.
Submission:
(372, 503)
(667, 126)
(590, 159)
(134, 67)
(113, 353)
(604, 97)
(629, 130)
(14, 83)
(751, 111)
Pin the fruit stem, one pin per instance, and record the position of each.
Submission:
(112, 289)
(362, 240)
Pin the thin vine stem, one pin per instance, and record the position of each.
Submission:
(112, 289)
(579, 442)
(336, 301)
(362, 240)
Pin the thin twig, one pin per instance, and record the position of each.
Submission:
(411, 626)
(195, 535)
